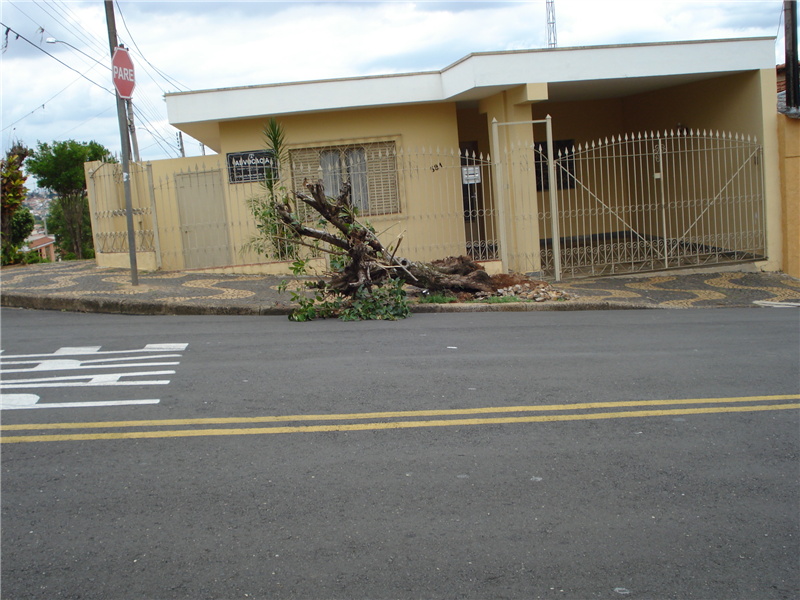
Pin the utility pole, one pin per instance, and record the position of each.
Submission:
(132, 129)
(124, 141)
(790, 45)
(180, 143)
(552, 42)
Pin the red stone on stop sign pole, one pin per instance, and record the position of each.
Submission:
(122, 73)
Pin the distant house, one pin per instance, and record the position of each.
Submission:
(780, 71)
(45, 245)
(659, 156)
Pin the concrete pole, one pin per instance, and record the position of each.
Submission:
(790, 45)
(499, 187)
(553, 192)
(123, 136)
(132, 129)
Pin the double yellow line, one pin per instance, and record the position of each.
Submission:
(386, 420)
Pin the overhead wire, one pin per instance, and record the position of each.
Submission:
(167, 78)
(145, 108)
(147, 114)
(102, 41)
(157, 137)
(73, 49)
(76, 28)
(84, 123)
(152, 130)
(43, 104)
(20, 36)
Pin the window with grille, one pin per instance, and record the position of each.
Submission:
(370, 168)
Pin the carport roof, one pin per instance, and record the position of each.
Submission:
(580, 73)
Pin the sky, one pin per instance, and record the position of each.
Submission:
(63, 90)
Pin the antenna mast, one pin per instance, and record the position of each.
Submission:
(552, 42)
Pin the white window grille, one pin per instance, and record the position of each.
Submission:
(371, 169)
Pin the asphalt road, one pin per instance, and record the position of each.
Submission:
(516, 455)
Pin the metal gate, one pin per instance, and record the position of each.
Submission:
(650, 202)
(203, 219)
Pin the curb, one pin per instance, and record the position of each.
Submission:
(135, 307)
(456, 307)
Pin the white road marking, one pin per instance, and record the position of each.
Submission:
(5, 405)
(17, 400)
(66, 361)
(74, 365)
(91, 350)
(59, 361)
(71, 351)
(71, 380)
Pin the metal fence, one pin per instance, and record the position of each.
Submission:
(654, 201)
(644, 202)
(438, 203)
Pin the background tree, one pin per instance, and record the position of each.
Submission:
(13, 193)
(59, 167)
(22, 224)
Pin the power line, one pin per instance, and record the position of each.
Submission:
(76, 29)
(84, 123)
(42, 30)
(152, 131)
(166, 78)
(102, 43)
(20, 36)
(42, 105)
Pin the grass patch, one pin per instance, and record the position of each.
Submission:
(436, 298)
(499, 300)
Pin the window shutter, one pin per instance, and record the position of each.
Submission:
(372, 169)
(305, 165)
(382, 178)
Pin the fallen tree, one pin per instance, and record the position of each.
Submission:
(366, 276)
(368, 262)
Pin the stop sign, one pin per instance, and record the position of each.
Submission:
(122, 73)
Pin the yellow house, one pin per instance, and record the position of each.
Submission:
(561, 162)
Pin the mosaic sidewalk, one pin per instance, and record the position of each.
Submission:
(82, 286)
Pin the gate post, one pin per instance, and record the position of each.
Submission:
(156, 237)
(499, 188)
(660, 177)
(553, 191)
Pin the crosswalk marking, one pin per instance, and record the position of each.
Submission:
(29, 372)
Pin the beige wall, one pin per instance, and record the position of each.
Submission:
(514, 197)
(581, 120)
(789, 148)
(426, 138)
(727, 103)
(430, 201)
(414, 126)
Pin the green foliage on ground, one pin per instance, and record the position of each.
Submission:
(500, 300)
(386, 302)
(437, 298)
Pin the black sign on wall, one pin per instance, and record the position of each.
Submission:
(244, 167)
